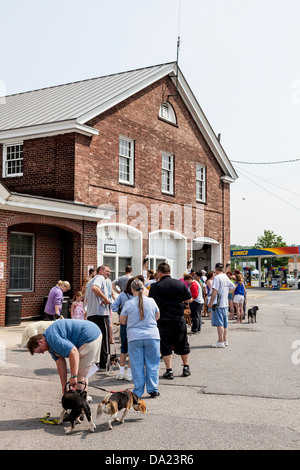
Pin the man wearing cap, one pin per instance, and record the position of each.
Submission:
(219, 304)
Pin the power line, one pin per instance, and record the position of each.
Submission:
(270, 192)
(267, 163)
(273, 184)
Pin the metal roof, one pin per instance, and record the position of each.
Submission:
(67, 108)
(72, 100)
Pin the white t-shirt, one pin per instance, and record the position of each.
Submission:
(222, 283)
(95, 305)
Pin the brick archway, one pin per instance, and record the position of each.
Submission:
(64, 224)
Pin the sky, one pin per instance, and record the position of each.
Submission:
(240, 58)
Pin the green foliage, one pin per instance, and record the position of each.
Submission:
(268, 240)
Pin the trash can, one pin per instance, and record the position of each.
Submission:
(13, 309)
(65, 307)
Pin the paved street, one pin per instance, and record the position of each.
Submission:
(245, 396)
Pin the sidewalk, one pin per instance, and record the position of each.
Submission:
(245, 396)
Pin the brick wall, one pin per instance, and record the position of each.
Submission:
(51, 234)
(97, 161)
(48, 168)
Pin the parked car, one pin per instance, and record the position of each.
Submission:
(290, 280)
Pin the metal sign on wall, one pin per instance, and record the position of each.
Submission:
(110, 248)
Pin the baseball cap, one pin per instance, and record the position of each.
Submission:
(219, 266)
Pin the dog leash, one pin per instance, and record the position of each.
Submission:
(110, 391)
(73, 389)
(48, 420)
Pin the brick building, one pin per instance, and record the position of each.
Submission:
(122, 169)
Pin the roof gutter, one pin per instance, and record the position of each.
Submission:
(46, 130)
(52, 207)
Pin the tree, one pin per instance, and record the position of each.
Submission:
(268, 240)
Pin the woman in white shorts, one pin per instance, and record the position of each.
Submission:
(238, 299)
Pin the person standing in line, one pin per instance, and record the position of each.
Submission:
(230, 295)
(98, 309)
(117, 306)
(87, 279)
(210, 278)
(203, 276)
(197, 304)
(77, 311)
(111, 297)
(219, 305)
(54, 303)
(140, 314)
(239, 297)
(121, 281)
(169, 294)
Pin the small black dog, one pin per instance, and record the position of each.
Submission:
(75, 400)
(252, 314)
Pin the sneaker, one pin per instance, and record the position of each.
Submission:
(186, 371)
(128, 376)
(154, 394)
(226, 343)
(168, 375)
(218, 344)
(120, 376)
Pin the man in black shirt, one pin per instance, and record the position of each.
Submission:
(169, 294)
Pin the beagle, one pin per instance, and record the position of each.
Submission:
(116, 401)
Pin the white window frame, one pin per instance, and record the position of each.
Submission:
(169, 171)
(166, 112)
(130, 159)
(32, 264)
(5, 161)
(116, 259)
(201, 180)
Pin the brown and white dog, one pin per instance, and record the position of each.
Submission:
(116, 401)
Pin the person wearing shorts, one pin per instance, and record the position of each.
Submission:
(77, 340)
(219, 305)
(169, 294)
(239, 297)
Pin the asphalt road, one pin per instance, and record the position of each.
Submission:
(245, 396)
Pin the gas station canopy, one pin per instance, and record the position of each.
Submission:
(280, 251)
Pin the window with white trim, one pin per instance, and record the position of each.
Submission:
(166, 112)
(13, 160)
(126, 160)
(167, 173)
(200, 183)
(21, 261)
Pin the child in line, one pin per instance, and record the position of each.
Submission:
(77, 309)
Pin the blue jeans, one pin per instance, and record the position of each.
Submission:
(144, 355)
